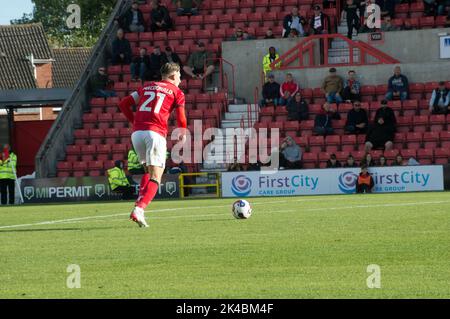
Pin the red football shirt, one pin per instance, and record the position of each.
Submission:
(154, 103)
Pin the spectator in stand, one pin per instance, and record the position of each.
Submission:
(350, 12)
(290, 154)
(293, 34)
(269, 34)
(365, 182)
(159, 17)
(288, 89)
(398, 86)
(238, 35)
(247, 36)
(357, 120)
(431, 7)
(119, 182)
(407, 25)
(367, 160)
(387, 7)
(332, 86)
(443, 7)
(187, 7)
(269, 59)
(156, 62)
(297, 108)
(320, 22)
(270, 92)
(333, 162)
(382, 162)
(200, 64)
(381, 133)
(140, 65)
(121, 49)
(99, 83)
(350, 162)
(294, 21)
(132, 20)
(323, 120)
(398, 161)
(169, 56)
(440, 100)
(387, 25)
(352, 88)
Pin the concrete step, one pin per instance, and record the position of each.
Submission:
(237, 108)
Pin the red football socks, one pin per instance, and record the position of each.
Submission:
(148, 190)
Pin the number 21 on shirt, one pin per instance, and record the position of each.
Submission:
(151, 96)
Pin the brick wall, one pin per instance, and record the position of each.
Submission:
(44, 76)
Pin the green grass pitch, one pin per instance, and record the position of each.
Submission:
(292, 247)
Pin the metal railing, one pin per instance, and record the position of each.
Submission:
(70, 117)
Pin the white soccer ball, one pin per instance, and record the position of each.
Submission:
(241, 209)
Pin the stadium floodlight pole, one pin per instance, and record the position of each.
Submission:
(17, 182)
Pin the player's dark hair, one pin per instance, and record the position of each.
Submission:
(169, 68)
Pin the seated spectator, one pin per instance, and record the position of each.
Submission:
(365, 182)
(187, 7)
(269, 59)
(156, 62)
(352, 88)
(407, 26)
(443, 7)
(99, 83)
(387, 25)
(440, 100)
(270, 92)
(350, 12)
(398, 86)
(320, 22)
(367, 160)
(297, 108)
(412, 162)
(288, 89)
(247, 36)
(323, 120)
(398, 161)
(121, 49)
(290, 154)
(381, 134)
(357, 120)
(238, 35)
(269, 34)
(332, 87)
(431, 7)
(293, 21)
(159, 17)
(170, 57)
(387, 7)
(200, 64)
(382, 162)
(132, 20)
(134, 165)
(350, 162)
(119, 182)
(140, 65)
(333, 162)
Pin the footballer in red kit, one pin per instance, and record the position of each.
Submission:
(155, 102)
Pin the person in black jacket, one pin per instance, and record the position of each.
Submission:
(381, 134)
(270, 92)
(297, 108)
(320, 22)
(293, 21)
(170, 56)
(351, 12)
(333, 162)
(350, 162)
(387, 7)
(121, 49)
(133, 19)
(140, 65)
(99, 83)
(357, 120)
(322, 122)
(159, 17)
(156, 61)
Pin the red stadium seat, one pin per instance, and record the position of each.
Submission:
(413, 140)
(310, 160)
(437, 122)
(348, 142)
(420, 123)
(399, 140)
(246, 6)
(316, 143)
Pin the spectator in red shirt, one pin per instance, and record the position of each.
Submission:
(288, 89)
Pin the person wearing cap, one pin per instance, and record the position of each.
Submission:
(381, 134)
(333, 162)
(159, 17)
(200, 64)
(293, 21)
(332, 86)
(364, 183)
(357, 120)
(269, 58)
(440, 100)
(119, 182)
(187, 7)
(169, 56)
(270, 92)
(320, 22)
(398, 86)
